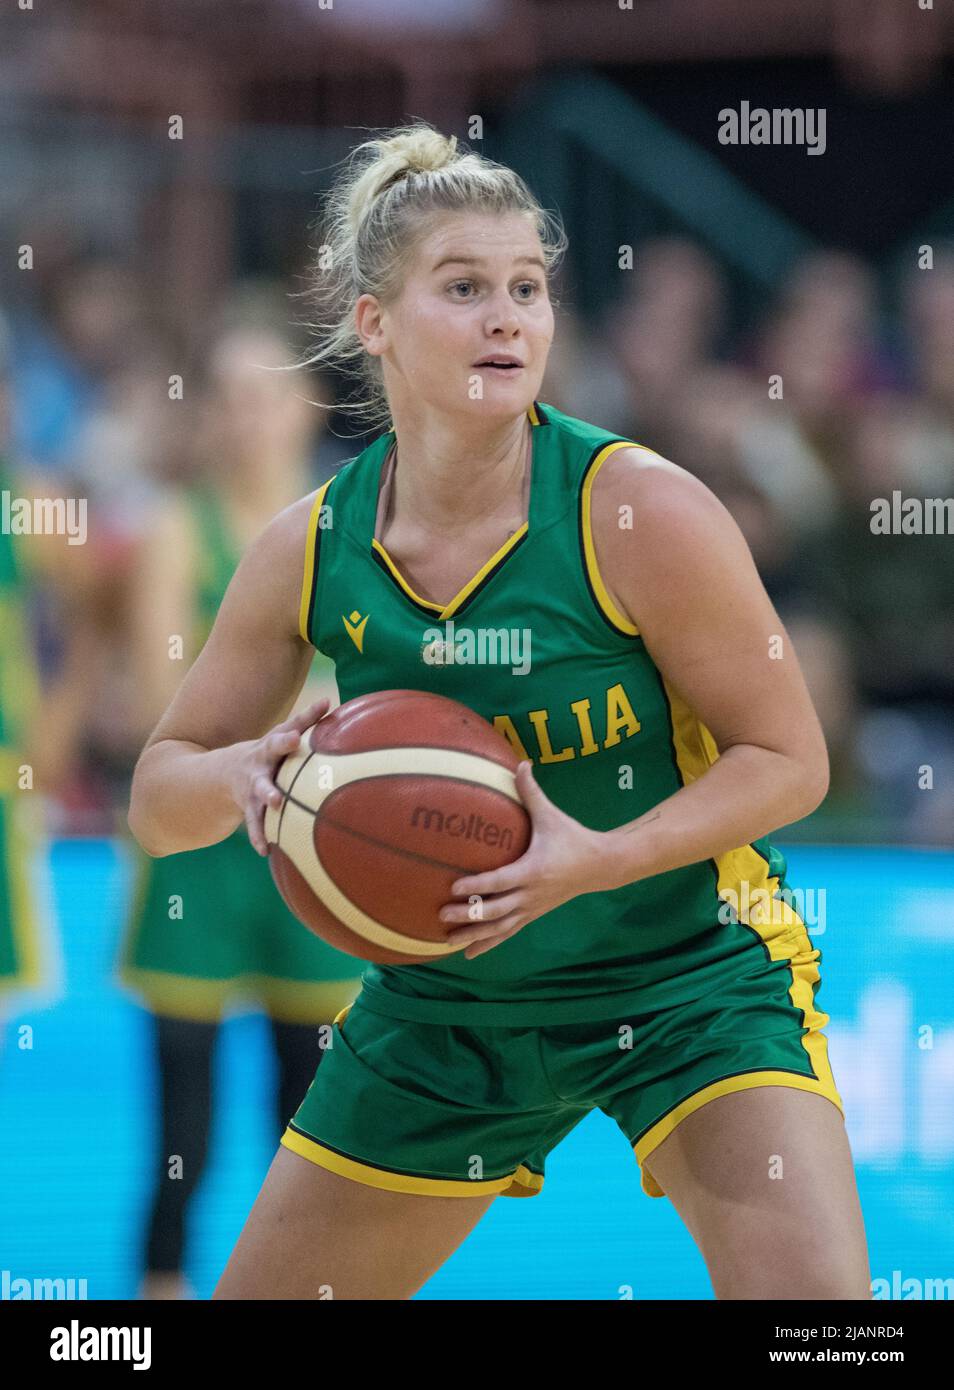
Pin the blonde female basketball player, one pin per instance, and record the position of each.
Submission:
(641, 957)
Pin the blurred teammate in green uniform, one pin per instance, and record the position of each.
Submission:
(208, 929)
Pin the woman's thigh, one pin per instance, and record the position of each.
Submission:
(765, 1183)
(315, 1235)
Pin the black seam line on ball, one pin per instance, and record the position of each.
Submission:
(287, 795)
(394, 849)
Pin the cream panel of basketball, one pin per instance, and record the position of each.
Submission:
(284, 780)
(292, 826)
(393, 762)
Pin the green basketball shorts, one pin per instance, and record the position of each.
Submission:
(444, 1110)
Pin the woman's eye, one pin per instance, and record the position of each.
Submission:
(466, 289)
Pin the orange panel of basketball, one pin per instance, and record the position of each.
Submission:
(388, 801)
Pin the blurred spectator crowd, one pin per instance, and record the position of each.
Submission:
(798, 422)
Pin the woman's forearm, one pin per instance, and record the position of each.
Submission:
(181, 798)
(747, 793)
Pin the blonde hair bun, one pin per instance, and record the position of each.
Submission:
(416, 149)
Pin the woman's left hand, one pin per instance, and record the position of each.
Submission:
(563, 860)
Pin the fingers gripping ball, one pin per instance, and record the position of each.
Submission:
(386, 803)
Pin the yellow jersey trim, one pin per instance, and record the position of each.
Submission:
(309, 576)
(397, 575)
(696, 751)
(446, 610)
(616, 618)
(785, 936)
(747, 1081)
(485, 570)
(522, 1183)
(353, 1168)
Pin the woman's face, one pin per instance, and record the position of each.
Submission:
(474, 293)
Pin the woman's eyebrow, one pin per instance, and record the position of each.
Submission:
(478, 260)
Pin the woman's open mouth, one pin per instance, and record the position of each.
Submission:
(503, 365)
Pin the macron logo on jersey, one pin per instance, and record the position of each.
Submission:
(355, 629)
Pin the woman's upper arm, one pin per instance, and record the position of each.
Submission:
(685, 576)
(250, 672)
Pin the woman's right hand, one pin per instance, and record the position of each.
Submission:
(251, 781)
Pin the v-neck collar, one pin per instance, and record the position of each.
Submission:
(477, 582)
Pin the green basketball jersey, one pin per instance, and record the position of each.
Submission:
(540, 650)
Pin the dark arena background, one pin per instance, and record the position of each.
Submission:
(775, 314)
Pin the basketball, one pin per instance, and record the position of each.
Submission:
(388, 800)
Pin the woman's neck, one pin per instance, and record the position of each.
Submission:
(448, 485)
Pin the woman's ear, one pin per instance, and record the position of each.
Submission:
(369, 325)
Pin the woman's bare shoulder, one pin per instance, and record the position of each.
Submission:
(637, 475)
(639, 494)
(659, 531)
(273, 565)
